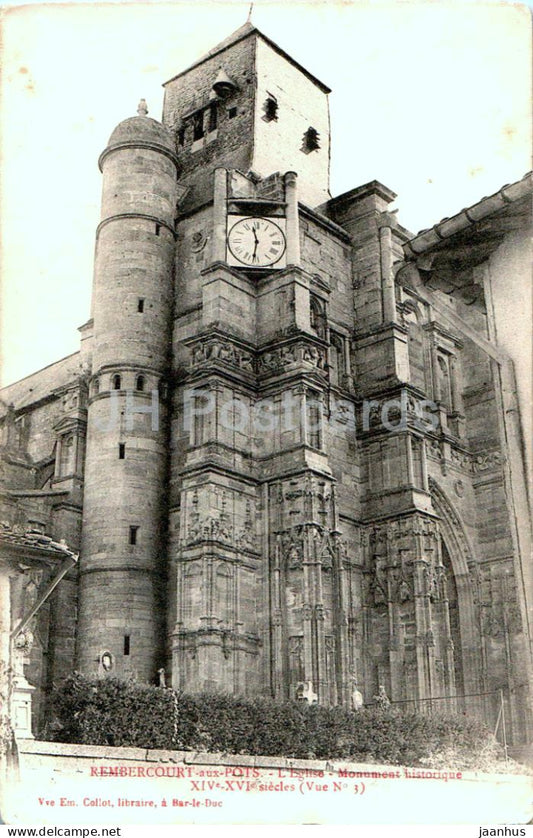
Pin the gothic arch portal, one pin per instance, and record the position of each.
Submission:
(457, 547)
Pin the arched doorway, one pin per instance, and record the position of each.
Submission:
(458, 558)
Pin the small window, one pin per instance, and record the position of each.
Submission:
(96, 386)
(232, 113)
(126, 644)
(181, 137)
(213, 116)
(133, 535)
(140, 305)
(270, 108)
(139, 383)
(116, 382)
(311, 140)
(157, 229)
(313, 419)
(198, 125)
(122, 450)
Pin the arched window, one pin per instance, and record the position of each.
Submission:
(316, 316)
(66, 459)
(337, 367)
(444, 393)
(96, 386)
(201, 404)
(22, 427)
(313, 419)
(415, 344)
(116, 382)
(192, 595)
(296, 665)
(223, 594)
(139, 383)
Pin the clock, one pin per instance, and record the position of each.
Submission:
(256, 242)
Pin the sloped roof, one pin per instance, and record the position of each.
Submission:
(240, 33)
(18, 537)
(244, 32)
(40, 384)
(488, 206)
(447, 253)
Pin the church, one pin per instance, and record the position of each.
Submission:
(290, 450)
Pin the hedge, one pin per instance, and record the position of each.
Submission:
(113, 712)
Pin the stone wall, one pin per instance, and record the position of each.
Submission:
(230, 144)
(279, 145)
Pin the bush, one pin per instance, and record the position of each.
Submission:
(113, 712)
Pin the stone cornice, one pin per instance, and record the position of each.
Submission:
(125, 215)
(151, 146)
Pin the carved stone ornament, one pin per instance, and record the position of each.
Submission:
(499, 609)
(488, 461)
(274, 360)
(459, 488)
(461, 460)
(24, 643)
(222, 352)
(198, 241)
(292, 549)
(404, 591)
(434, 449)
(379, 590)
(492, 624)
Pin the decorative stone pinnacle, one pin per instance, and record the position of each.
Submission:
(142, 110)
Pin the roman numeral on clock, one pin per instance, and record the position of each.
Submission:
(257, 242)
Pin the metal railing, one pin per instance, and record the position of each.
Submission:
(488, 707)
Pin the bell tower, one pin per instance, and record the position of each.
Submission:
(249, 106)
(255, 575)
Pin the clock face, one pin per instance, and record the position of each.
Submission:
(256, 242)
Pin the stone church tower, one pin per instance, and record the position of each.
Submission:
(299, 459)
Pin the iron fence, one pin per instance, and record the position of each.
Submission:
(489, 707)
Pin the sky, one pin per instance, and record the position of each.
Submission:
(431, 98)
